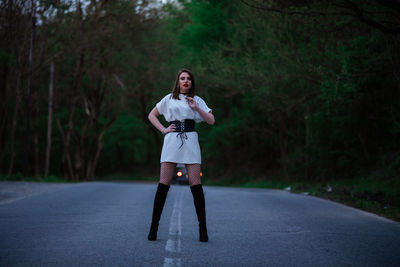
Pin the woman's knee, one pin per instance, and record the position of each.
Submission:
(166, 172)
(193, 171)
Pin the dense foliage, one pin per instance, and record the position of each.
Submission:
(298, 90)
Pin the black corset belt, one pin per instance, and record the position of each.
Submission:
(182, 128)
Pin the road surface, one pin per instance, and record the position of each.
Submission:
(106, 224)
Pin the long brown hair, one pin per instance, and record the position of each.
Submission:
(175, 90)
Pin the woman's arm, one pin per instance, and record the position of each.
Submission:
(154, 120)
(208, 117)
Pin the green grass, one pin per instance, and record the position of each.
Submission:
(20, 177)
(54, 179)
(376, 195)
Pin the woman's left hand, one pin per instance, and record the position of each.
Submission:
(191, 102)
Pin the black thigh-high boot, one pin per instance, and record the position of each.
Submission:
(200, 205)
(159, 200)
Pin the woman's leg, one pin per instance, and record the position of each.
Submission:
(166, 172)
(193, 171)
(167, 169)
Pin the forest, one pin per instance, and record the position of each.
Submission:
(306, 90)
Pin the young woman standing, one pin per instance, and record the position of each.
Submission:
(181, 108)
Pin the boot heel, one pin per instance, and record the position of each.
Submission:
(153, 233)
(203, 234)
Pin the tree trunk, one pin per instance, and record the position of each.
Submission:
(63, 159)
(3, 133)
(67, 144)
(13, 127)
(70, 131)
(283, 148)
(307, 123)
(364, 148)
(49, 121)
(393, 48)
(82, 151)
(3, 111)
(66, 137)
(28, 99)
(35, 133)
(92, 163)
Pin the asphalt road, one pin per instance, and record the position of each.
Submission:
(106, 224)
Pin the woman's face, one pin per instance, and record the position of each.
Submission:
(185, 82)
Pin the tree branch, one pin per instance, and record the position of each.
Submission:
(283, 11)
(350, 9)
(359, 14)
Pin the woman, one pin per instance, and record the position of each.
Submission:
(182, 108)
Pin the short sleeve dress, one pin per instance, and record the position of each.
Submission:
(173, 150)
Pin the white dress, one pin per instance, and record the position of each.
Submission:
(173, 150)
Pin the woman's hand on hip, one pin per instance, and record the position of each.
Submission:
(169, 129)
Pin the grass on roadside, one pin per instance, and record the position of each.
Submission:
(376, 195)
(18, 177)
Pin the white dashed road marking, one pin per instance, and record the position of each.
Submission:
(173, 245)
